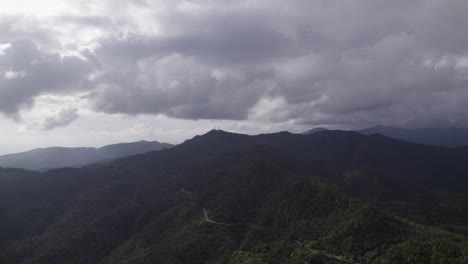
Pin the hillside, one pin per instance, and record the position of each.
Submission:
(59, 157)
(328, 197)
(314, 130)
(448, 137)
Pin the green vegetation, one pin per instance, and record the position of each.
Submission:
(224, 198)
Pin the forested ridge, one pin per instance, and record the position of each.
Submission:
(327, 197)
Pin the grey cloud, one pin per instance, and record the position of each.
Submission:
(220, 64)
(180, 87)
(14, 27)
(85, 20)
(62, 118)
(41, 73)
(352, 63)
(440, 25)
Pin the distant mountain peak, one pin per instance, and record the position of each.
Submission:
(446, 137)
(314, 130)
(220, 132)
(58, 157)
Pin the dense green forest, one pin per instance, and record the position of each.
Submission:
(327, 197)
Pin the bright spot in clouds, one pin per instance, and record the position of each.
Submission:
(43, 8)
(10, 75)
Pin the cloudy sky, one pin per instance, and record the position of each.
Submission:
(89, 72)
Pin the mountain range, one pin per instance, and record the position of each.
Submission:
(445, 137)
(58, 157)
(327, 197)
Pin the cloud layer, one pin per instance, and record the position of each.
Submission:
(305, 62)
(27, 72)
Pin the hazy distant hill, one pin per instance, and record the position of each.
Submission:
(443, 137)
(449, 137)
(329, 197)
(58, 157)
(313, 130)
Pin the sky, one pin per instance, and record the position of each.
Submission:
(91, 73)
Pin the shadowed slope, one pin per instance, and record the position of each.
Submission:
(269, 199)
(59, 157)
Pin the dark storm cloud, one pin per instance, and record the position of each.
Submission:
(27, 71)
(351, 63)
(440, 25)
(178, 86)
